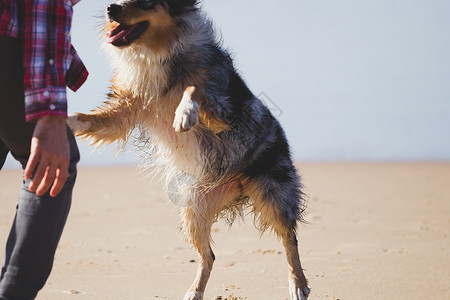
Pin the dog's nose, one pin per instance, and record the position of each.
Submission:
(114, 10)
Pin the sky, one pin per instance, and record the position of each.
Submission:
(349, 80)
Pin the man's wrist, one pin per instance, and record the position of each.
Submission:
(52, 120)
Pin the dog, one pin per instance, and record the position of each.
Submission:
(200, 124)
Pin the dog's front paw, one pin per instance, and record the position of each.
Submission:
(298, 289)
(186, 116)
(78, 127)
(193, 296)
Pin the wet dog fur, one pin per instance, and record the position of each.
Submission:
(200, 125)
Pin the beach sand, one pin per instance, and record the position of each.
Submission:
(375, 231)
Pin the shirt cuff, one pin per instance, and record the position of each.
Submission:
(47, 101)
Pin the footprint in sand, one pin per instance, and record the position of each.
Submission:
(230, 297)
(72, 292)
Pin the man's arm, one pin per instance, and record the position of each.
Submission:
(47, 57)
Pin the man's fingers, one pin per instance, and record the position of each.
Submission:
(47, 180)
(32, 163)
(61, 177)
(39, 173)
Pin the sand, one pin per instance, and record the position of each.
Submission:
(376, 231)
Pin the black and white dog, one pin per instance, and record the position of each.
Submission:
(199, 121)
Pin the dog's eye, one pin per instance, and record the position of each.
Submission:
(147, 4)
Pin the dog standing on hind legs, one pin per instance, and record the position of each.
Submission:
(199, 121)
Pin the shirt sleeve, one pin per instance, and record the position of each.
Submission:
(47, 56)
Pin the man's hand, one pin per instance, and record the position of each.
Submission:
(48, 164)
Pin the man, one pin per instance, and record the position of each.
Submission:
(37, 62)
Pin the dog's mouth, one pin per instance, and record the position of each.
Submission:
(123, 35)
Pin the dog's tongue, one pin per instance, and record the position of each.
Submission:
(123, 35)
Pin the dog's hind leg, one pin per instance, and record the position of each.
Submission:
(197, 228)
(197, 218)
(298, 285)
(277, 206)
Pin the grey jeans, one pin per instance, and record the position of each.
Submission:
(39, 221)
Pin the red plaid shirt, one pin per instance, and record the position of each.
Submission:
(50, 61)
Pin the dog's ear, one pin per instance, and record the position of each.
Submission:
(179, 7)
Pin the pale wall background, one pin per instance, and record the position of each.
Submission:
(352, 80)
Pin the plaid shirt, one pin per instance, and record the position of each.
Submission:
(50, 61)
